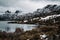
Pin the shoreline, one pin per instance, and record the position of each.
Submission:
(33, 34)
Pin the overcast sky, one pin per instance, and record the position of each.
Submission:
(25, 5)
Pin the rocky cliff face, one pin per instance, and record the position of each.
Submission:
(49, 10)
(44, 12)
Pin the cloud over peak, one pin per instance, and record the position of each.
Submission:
(25, 5)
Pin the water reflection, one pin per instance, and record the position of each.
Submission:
(4, 26)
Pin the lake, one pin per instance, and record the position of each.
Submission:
(4, 26)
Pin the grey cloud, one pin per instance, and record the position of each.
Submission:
(25, 5)
(13, 2)
(7, 2)
(45, 0)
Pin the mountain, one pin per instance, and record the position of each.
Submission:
(44, 12)
(48, 10)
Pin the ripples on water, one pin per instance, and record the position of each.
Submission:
(4, 26)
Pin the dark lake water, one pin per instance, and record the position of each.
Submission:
(4, 26)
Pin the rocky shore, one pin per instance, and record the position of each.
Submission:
(40, 33)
